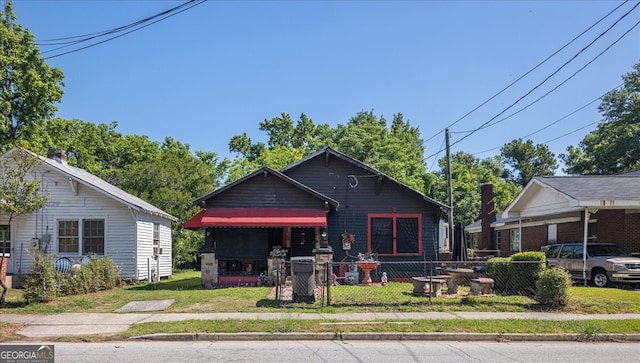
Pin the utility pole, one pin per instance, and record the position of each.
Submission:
(449, 191)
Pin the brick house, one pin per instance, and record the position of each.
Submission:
(557, 209)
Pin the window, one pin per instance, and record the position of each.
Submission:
(566, 252)
(498, 239)
(395, 234)
(552, 233)
(68, 237)
(92, 236)
(5, 239)
(156, 234)
(514, 239)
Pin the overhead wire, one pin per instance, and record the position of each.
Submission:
(552, 123)
(486, 124)
(528, 72)
(168, 13)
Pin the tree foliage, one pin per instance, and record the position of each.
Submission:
(613, 147)
(468, 174)
(396, 150)
(20, 193)
(28, 86)
(528, 160)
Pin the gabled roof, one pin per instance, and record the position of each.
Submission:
(101, 186)
(326, 151)
(265, 169)
(557, 194)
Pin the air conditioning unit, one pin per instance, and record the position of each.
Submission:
(157, 251)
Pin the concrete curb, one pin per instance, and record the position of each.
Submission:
(212, 337)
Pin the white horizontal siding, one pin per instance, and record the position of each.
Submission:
(145, 246)
(121, 226)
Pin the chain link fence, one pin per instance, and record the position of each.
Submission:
(302, 282)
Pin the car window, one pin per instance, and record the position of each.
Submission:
(578, 252)
(566, 252)
(605, 250)
(552, 252)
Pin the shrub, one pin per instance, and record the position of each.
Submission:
(498, 268)
(552, 288)
(526, 268)
(99, 274)
(41, 285)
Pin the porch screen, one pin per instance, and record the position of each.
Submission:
(242, 243)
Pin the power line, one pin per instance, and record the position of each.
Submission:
(486, 124)
(528, 72)
(552, 123)
(167, 14)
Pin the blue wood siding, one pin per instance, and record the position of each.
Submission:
(361, 193)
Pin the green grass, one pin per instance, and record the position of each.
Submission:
(185, 289)
(587, 328)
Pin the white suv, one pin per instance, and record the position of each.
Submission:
(606, 262)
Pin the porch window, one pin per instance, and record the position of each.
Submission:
(395, 234)
(5, 239)
(93, 236)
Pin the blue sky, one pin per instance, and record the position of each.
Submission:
(220, 68)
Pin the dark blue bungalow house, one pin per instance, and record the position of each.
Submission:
(327, 199)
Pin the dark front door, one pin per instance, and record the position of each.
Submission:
(303, 241)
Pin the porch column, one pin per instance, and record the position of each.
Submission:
(584, 245)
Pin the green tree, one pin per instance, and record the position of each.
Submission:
(28, 86)
(19, 194)
(396, 150)
(172, 180)
(468, 174)
(613, 147)
(528, 160)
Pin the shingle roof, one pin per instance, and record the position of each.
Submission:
(100, 185)
(596, 187)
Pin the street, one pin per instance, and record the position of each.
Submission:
(348, 351)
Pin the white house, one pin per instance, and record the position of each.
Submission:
(85, 215)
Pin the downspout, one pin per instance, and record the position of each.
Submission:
(584, 246)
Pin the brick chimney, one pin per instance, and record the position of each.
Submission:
(58, 155)
(487, 215)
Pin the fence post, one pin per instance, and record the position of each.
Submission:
(327, 280)
(277, 284)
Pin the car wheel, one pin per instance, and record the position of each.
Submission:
(599, 278)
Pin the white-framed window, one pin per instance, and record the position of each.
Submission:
(5, 239)
(92, 235)
(156, 234)
(68, 236)
(552, 233)
(514, 239)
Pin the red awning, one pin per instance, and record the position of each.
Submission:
(257, 217)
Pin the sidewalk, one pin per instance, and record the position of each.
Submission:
(75, 324)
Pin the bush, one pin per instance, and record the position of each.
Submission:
(516, 275)
(552, 288)
(41, 285)
(526, 271)
(99, 274)
(498, 268)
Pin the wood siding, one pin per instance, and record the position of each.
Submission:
(265, 192)
(121, 231)
(361, 196)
